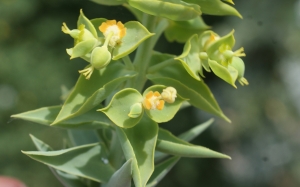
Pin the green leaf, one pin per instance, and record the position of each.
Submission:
(169, 110)
(119, 108)
(197, 92)
(136, 33)
(137, 13)
(46, 116)
(181, 31)
(161, 170)
(66, 179)
(215, 7)
(170, 144)
(82, 137)
(190, 58)
(109, 2)
(172, 9)
(88, 94)
(97, 22)
(195, 131)
(138, 144)
(186, 136)
(82, 48)
(122, 177)
(84, 161)
(87, 23)
(229, 74)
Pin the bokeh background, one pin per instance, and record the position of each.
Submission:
(263, 138)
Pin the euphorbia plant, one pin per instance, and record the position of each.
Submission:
(127, 140)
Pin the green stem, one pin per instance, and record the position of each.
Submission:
(162, 25)
(143, 54)
(161, 65)
(128, 63)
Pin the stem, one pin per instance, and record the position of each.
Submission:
(161, 65)
(143, 54)
(162, 25)
(128, 63)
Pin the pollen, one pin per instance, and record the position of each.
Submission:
(113, 31)
(153, 101)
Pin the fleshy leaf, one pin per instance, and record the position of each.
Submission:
(109, 2)
(197, 92)
(66, 179)
(161, 170)
(229, 74)
(97, 22)
(138, 144)
(122, 177)
(84, 161)
(46, 116)
(216, 7)
(119, 108)
(195, 131)
(87, 23)
(186, 136)
(169, 110)
(172, 9)
(190, 58)
(170, 144)
(136, 33)
(181, 31)
(88, 94)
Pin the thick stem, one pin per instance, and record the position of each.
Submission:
(128, 63)
(143, 54)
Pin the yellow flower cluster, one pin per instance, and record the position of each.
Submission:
(155, 100)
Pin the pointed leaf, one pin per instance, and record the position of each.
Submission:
(138, 144)
(46, 116)
(161, 170)
(66, 179)
(119, 108)
(215, 7)
(190, 58)
(181, 31)
(136, 33)
(169, 110)
(82, 48)
(84, 161)
(122, 177)
(229, 74)
(195, 131)
(172, 9)
(197, 92)
(87, 23)
(88, 94)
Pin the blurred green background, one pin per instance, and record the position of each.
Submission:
(263, 138)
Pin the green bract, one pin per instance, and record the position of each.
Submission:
(113, 121)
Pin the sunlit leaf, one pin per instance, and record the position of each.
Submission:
(120, 105)
(66, 179)
(84, 161)
(138, 144)
(136, 33)
(87, 23)
(172, 9)
(181, 31)
(46, 116)
(88, 94)
(215, 7)
(197, 92)
(109, 2)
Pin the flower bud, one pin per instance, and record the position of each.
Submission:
(135, 110)
(169, 94)
(100, 57)
(239, 65)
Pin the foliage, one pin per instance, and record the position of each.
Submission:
(110, 96)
